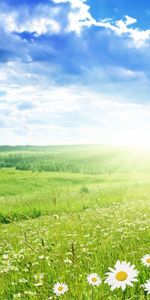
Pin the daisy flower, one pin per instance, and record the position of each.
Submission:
(94, 279)
(146, 286)
(146, 260)
(60, 288)
(123, 274)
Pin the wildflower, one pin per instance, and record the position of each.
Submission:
(123, 274)
(17, 296)
(60, 288)
(68, 261)
(22, 280)
(35, 263)
(146, 286)
(30, 293)
(41, 257)
(25, 270)
(5, 257)
(14, 283)
(14, 268)
(146, 260)
(38, 277)
(38, 283)
(94, 279)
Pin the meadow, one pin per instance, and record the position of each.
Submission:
(70, 211)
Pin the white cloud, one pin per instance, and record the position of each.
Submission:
(46, 19)
(41, 21)
(138, 36)
(123, 27)
(43, 113)
(130, 20)
(40, 26)
(79, 16)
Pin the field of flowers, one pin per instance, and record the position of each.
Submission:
(74, 236)
(67, 248)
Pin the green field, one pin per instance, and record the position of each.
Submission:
(68, 211)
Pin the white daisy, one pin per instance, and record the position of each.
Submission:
(146, 260)
(94, 279)
(146, 286)
(60, 288)
(123, 274)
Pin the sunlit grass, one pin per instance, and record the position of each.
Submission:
(68, 247)
(62, 226)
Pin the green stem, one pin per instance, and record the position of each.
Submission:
(124, 295)
(93, 294)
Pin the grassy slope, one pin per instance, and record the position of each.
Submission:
(24, 194)
(92, 229)
(92, 240)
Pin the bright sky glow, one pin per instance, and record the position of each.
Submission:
(74, 71)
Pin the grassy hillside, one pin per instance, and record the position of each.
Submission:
(24, 194)
(62, 225)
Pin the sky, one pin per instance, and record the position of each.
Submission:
(74, 72)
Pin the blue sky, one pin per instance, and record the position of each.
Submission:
(74, 71)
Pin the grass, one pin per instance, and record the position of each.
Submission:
(67, 225)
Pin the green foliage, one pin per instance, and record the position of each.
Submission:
(84, 189)
(75, 159)
(85, 205)
(91, 241)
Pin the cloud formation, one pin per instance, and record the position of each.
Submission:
(68, 77)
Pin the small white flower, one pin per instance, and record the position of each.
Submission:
(42, 257)
(17, 296)
(22, 280)
(60, 288)
(146, 260)
(14, 268)
(38, 284)
(36, 263)
(14, 283)
(68, 261)
(30, 293)
(123, 274)
(26, 270)
(5, 257)
(38, 277)
(94, 279)
(146, 286)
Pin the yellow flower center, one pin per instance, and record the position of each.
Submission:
(148, 260)
(94, 279)
(60, 289)
(121, 276)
